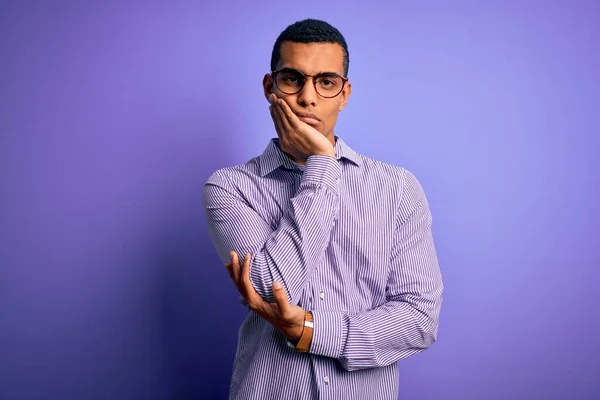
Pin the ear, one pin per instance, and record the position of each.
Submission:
(267, 85)
(345, 95)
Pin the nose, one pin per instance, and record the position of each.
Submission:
(308, 95)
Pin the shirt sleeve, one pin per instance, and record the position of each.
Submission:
(289, 253)
(407, 322)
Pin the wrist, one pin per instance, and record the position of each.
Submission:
(325, 153)
(330, 333)
(322, 170)
(305, 340)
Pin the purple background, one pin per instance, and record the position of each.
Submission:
(112, 117)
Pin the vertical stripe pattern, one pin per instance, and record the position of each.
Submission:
(350, 238)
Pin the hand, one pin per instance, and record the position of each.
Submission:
(285, 317)
(296, 137)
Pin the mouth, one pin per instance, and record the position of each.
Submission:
(309, 118)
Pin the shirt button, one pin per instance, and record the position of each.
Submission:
(326, 379)
(322, 295)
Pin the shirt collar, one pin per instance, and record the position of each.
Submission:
(273, 158)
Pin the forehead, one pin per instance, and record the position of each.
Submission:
(312, 58)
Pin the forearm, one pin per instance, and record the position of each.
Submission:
(290, 253)
(404, 325)
(374, 338)
(407, 322)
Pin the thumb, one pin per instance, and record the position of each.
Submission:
(281, 298)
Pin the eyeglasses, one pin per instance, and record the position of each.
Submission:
(291, 81)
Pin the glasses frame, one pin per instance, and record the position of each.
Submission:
(305, 76)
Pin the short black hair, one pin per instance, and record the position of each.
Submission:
(310, 31)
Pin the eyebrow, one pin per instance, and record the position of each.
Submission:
(324, 73)
(328, 74)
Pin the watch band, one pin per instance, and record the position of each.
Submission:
(307, 333)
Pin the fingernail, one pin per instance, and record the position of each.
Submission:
(277, 286)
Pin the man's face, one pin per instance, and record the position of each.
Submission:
(312, 59)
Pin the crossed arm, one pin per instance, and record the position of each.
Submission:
(405, 324)
(289, 253)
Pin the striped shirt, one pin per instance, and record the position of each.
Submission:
(350, 239)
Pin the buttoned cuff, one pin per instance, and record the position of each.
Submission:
(322, 170)
(329, 333)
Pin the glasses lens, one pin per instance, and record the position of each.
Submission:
(289, 81)
(329, 85)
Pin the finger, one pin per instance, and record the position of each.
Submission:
(235, 267)
(246, 285)
(276, 122)
(245, 273)
(281, 299)
(255, 301)
(229, 268)
(283, 132)
(285, 120)
(291, 118)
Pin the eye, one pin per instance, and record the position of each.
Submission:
(290, 78)
(328, 82)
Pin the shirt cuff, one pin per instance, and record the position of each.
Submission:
(329, 333)
(322, 170)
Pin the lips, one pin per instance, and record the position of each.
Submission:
(309, 118)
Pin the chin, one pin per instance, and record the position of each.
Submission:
(327, 134)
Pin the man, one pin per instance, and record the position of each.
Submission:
(339, 268)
